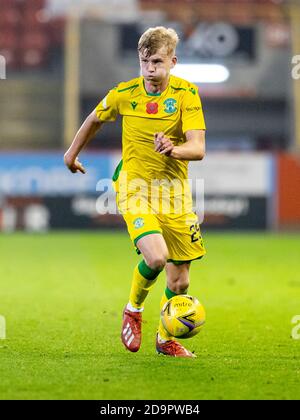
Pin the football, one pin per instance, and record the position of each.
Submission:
(183, 316)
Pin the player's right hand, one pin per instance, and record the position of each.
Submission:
(163, 144)
(74, 165)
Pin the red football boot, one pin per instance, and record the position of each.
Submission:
(172, 348)
(131, 334)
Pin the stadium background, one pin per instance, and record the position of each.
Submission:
(60, 59)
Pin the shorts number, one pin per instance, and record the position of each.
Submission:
(195, 232)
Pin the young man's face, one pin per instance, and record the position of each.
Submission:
(156, 67)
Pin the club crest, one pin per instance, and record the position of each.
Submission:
(138, 223)
(170, 106)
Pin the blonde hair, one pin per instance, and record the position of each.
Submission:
(155, 38)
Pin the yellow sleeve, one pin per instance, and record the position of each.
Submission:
(191, 111)
(107, 110)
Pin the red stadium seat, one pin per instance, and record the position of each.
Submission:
(9, 21)
(33, 58)
(35, 39)
(24, 38)
(34, 4)
(9, 17)
(34, 46)
(34, 21)
(8, 39)
(8, 4)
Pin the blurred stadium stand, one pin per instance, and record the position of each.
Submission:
(254, 42)
(31, 43)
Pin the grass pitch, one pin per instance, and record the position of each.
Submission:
(63, 294)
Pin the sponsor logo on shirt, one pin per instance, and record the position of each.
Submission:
(134, 104)
(193, 108)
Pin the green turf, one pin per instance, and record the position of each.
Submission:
(63, 295)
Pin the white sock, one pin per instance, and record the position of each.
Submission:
(132, 309)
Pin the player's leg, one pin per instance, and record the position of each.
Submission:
(183, 238)
(184, 242)
(146, 234)
(155, 252)
(147, 237)
(177, 283)
(178, 279)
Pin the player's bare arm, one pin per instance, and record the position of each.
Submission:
(86, 132)
(192, 149)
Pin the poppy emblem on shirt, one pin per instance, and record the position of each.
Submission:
(152, 108)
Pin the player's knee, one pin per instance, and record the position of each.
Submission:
(157, 262)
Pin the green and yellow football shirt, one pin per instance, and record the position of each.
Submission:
(174, 111)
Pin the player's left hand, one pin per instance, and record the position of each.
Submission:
(163, 144)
